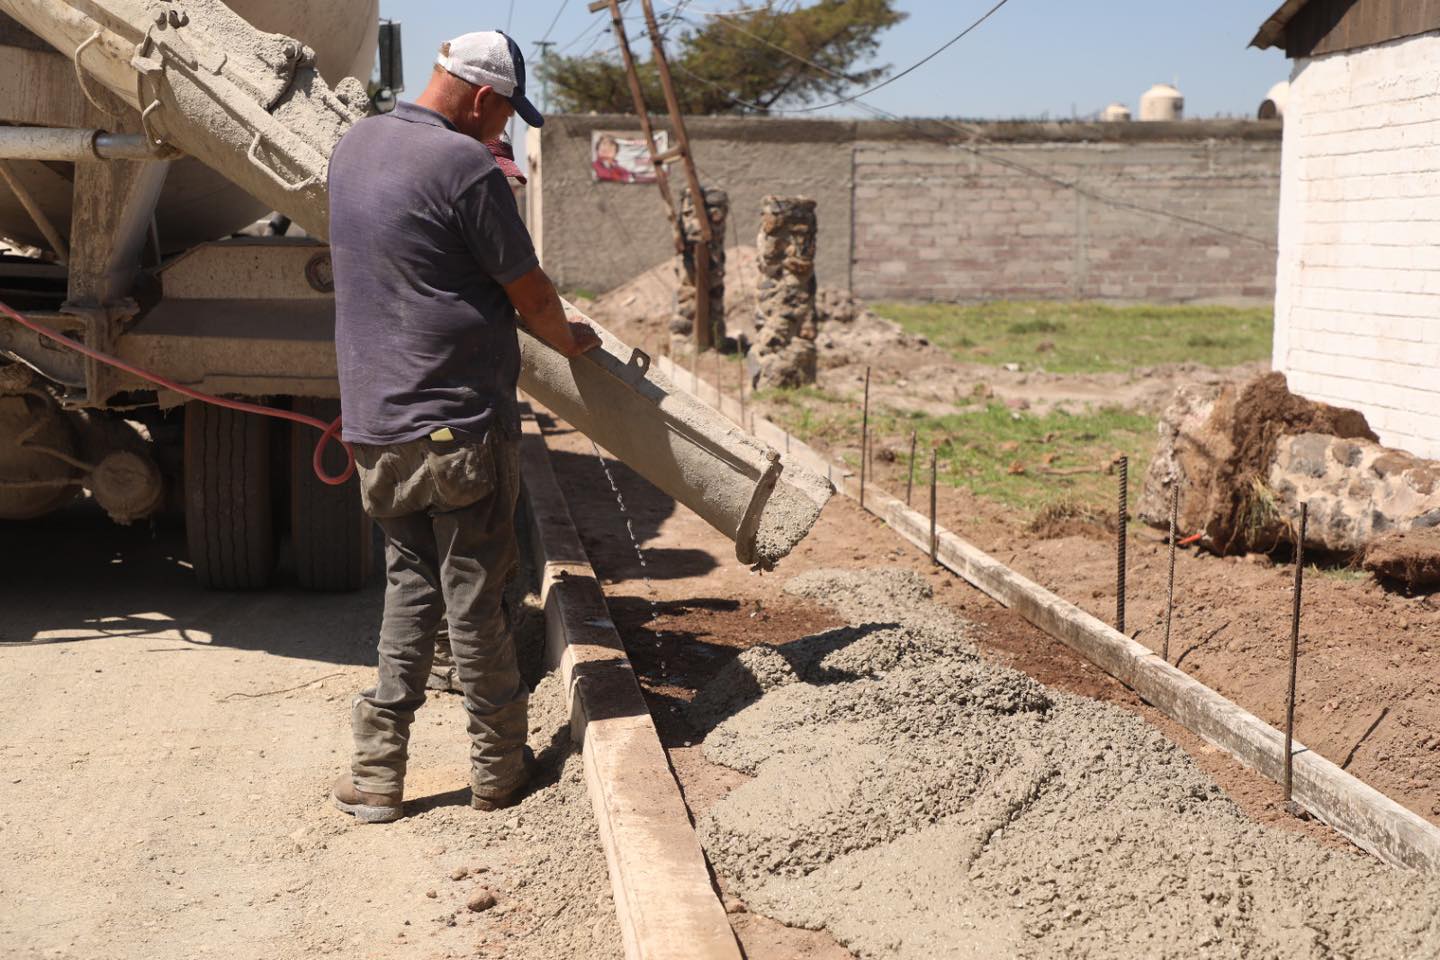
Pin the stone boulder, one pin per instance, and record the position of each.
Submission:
(1222, 444)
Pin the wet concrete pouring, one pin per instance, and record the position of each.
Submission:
(866, 767)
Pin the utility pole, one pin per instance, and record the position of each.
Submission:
(681, 151)
(544, 46)
(662, 176)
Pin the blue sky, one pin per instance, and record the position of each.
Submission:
(1033, 57)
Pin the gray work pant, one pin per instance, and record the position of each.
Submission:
(447, 510)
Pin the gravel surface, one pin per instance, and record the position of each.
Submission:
(166, 765)
(917, 801)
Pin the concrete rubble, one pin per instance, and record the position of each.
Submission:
(783, 353)
(682, 325)
(918, 801)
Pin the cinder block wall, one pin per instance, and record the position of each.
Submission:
(598, 235)
(1357, 305)
(972, 221)
(916, 211)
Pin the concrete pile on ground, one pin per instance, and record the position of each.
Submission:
(717, 206)
(1246, 456)
(783, 351)
(918, 801)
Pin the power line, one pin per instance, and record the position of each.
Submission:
(551, 29)
(723, 18)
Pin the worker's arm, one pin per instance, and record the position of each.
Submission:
(542, 314)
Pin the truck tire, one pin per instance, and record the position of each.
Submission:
(229, 518)
(330, 530)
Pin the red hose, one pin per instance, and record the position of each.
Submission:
(328, 431)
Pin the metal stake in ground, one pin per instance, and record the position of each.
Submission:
(1170, 588)
(934, 543)
(1122, 518)
(1294, 651)
(864, 437)
(910, 483)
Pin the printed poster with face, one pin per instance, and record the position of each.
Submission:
(622, 157)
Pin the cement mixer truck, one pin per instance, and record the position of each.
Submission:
(137, 137)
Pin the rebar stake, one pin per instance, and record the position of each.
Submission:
(934, 541)
(864, 438)
(1170, 588)
(1122, 519)
(742, 391)
(910, 483)
(1294, 652)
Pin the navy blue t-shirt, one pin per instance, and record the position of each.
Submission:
(424, 231)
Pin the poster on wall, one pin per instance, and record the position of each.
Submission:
(622, 157)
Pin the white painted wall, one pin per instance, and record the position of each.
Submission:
(1357, 305)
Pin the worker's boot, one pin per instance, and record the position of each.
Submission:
(365, 807)
(489, 798)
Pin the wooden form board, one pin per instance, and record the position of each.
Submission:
(666, 905)
(1371, 820)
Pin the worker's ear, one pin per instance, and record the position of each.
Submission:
(478, 104)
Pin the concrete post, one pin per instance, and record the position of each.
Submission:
(682, 327)
(783, 354)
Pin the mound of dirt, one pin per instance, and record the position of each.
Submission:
(1410, 558)
(846, 332)
(1219, 443)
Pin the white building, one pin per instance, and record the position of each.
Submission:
(1357, 304)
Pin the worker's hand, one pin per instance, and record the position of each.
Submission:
(542, 313)
(583, 339)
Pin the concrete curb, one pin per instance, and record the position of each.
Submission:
(667, 908)
(1371, 820)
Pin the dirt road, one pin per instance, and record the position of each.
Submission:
(166, 762)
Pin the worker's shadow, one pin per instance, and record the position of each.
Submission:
(621, 536)
(693, 683)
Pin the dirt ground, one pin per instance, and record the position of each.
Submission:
(700, 609)
(166, 764)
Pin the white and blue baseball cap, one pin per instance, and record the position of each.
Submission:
(489, 58)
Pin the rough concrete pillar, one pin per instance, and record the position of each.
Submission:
(682, 328)
(783, 354)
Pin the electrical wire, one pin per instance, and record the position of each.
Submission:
(328, 431)
(722, 17)
(551, 29)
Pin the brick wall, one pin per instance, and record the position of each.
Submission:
(911, 211)
(1357, 306)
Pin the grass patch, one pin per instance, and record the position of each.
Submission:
(1088, 337)
(1023, 460)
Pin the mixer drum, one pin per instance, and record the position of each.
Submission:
(197, 203)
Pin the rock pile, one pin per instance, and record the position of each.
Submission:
(682, 327)
(783, 354)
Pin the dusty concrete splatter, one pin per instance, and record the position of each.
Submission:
(920, 802)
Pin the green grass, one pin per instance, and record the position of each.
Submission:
(1088, 337)
(1022, 460)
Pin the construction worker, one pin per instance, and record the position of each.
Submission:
(443, 675)
(432, 263)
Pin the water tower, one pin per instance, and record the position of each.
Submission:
(1273, 106)
(1162, 102)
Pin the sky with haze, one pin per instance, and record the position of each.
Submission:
(1032, 58)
